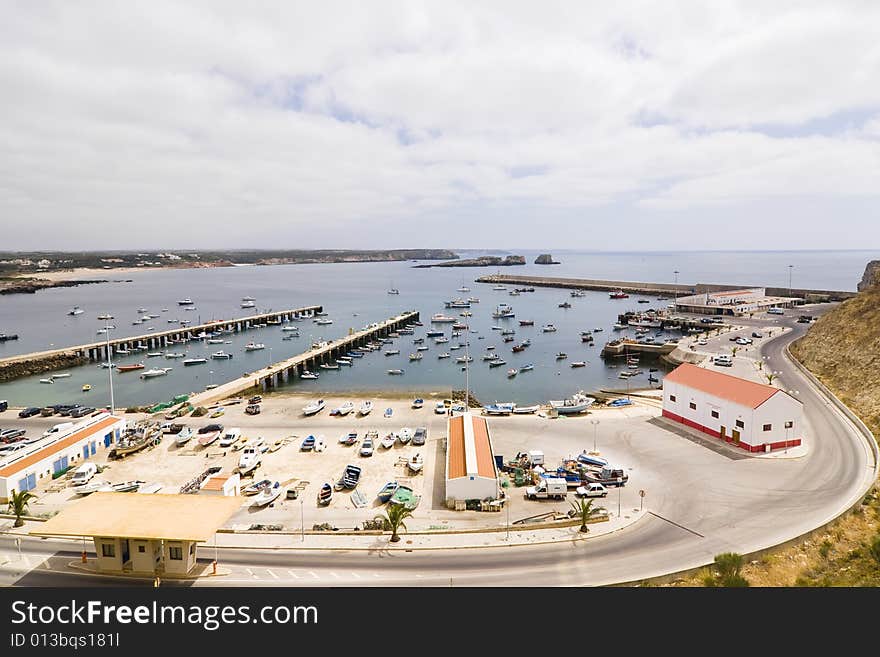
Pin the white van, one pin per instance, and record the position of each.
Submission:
(83, 474)
(58, 428)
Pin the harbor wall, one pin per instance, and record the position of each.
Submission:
(18, 368)
(636, 287)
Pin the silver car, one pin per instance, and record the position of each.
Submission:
(367, 447)
(420, 436)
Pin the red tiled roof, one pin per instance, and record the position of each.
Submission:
(739, 391)
(457, 451)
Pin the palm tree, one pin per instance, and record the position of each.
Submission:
(18, 505)
(584, 510)
(734, 350)
(770, 376)
(393, 519)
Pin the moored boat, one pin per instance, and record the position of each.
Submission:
(365, 408)
(577, 403)
(387, 491)
(313, 407)
(130, 368)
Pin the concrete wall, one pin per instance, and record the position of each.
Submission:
(147, 560)
(470, 488)
(179, 566)
(112, 562)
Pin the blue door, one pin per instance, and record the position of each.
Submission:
(85, 451)
(27, 483)
(59, 465)
(108, 439)
(94, 447)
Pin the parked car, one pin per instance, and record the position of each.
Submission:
(58, 428)
(252, 409)
(48, 411)
(9, 435)
(702, 342)
(211, 428)
(367, 447)
(723, 360)
(14, 447)
(440, 408)
(81, 411)
(420, 436)
(3, 405)
(757, 334)
(592, 490)
(743, 341)
(256, 399)
(30, 411)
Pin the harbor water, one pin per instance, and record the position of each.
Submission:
(356, 294)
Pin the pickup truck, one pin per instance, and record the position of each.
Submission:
(550, 487)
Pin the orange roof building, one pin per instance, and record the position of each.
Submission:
(470, 464)
(26, 468)
(750, 415)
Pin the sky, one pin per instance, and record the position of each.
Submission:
(498, 125)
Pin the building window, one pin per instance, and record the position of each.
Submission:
(789, 425)
(693, 406)
(740, 424)
(672, 398)
(175, 553)
(715, 414)
(142, 548)
(108, 550)
(768, 427)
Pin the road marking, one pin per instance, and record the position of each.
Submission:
(293, 574)
(313, 575)
(677, 525)
(335, 575)
(272, 574)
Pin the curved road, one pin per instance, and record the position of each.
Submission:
(757, 504)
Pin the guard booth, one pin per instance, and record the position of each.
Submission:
(143, 534)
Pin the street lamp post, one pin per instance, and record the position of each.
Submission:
(109, 366)
(595, 424)
(790, 268)
(302, 521)
(618, 499)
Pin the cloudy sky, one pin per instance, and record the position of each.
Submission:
(648, 125)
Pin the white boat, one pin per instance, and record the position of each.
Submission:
(404, 435)
(499, 408)
(329, 366)
(392, 352)
(395, 372)
(153, 354)
(91, 487)
(185, 302)
(294, 329)
(440, 318)
(365, 408)
(388, 441)
(413, 357)
(577, 403)
(415, 464)
(499, 288)
(313, 407)
(221, 355)
(345, 409)
(250, 458)
(159, 371)
(62, 375)
(254, 346)
(267, 495)
(105, 316)
(309, 375)
(195, 361)
(444, 355)
(549, 328)
(464, 359)
(172, 354)
(578, 363)
(76, 310)
(47, 380)
(323, 322)
(525, 410)
(184, 436)
(248, 304)
(100, 331)
(215, 341)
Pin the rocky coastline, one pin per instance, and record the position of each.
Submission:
(482, 261)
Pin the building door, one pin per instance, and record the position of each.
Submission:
(27, 483)
(94, 447)
(735, 436)
(85, 451)
(723, 433)
(108, 439)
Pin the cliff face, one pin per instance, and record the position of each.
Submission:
(546, 259)
(843, 349)
(871, 276)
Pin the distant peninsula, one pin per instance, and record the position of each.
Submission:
(482, 261)
(28, 272)
(546, 259)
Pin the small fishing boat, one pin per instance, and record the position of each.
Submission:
(49, 380)
(92, 487)
(184, 436)
(387, 491)
(397, 372)
(415, 464)
(405, 497)
(184, 302)
(388, 412)
(499, 408)
(444, 355)
(254, 346)
(208, 437)
(418, 402)
(525, 410)
(130, 368)
(257, 487)
(388, 441)
(577, 403)
(497, 362)
(313, 407)
(221, 355)
(527, 368)
(194, 361)
(464, 359)
(578, 363)
(565, 304)
(526, 322)
(76, 310)
(125, 486)
(105, 316)
(159, 371)
(549, 328)
(561, 355)
(619, 294)
(413, 357)
(329, 366)
(365, 408)
(308, 443)
(512, 373)
(404, 435)
(325, 494)
(154, 354)
(343, 410)
(267, 495)
(422, 348)
(308, 375)
(86, 387)
(249, 460)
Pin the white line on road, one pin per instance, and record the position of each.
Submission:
(313, 575)
(335, 575)
(293, 574)
(355, 575)
(272, 574)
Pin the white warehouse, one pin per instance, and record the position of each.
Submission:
(470, 465)
(24, 469)
(752, 416)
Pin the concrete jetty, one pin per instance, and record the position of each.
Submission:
(665, 289)
(328, 352)
(97, 351)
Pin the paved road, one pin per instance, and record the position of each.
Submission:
(757, 503)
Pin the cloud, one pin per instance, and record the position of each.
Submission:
(217, 124)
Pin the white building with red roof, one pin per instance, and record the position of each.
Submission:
(750, 415)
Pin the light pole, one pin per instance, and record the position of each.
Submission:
(676, 284)
(618, 499)
(790, 268)
(507, 504)
(595, 424)
(302, 521)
